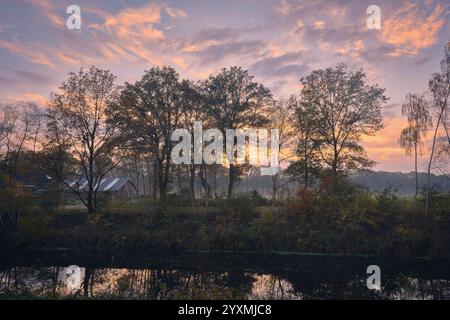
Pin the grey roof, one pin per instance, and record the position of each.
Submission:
(108, 184)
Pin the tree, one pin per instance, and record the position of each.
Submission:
(412, 137)
(19, 128)
(59, 164)
(192, 96)
(439, 86)
(235, 102)
(79, 121)
(152, 109)
(133, 165)
(282, 117)
(129, 114)
(343, 108)
(307, 165)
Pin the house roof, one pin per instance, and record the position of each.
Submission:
(108, 184)
(27, 177)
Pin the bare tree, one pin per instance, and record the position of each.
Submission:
(7, 125)
(79, 120)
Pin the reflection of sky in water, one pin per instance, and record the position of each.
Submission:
(50, 282)
(272, 287)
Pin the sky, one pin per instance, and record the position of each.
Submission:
(278, 41)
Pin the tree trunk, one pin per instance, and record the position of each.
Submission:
(149, 177)
(161, 179)
(215, 182)
(155, 178)
(144, 188)
(230, 181)
(90, 204)
(417, 175)
(192, 183)
(87, 278)
(274, 186)
(180, 186)
(335, 177)
(306, 172)
(205, 185)
(334, 167)
(427, 201)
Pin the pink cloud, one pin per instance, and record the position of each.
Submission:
(135, 23)
(411, 29)
(30, 97)
(48, 9)
(30, 52)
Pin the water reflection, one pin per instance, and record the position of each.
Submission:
(161, 283)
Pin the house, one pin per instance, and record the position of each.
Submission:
(110, 187)
(25, 181)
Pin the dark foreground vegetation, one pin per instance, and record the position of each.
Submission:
(352, 221)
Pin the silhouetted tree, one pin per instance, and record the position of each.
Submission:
(195, 110)
(79, 120)
(307, 165)
(344, 108)
(235, 101)
(19, 126)
(152, 108)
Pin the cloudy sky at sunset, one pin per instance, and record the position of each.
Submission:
(278, 41)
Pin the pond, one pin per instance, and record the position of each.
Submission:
(224, 275)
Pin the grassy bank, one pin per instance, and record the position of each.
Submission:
(358, 223)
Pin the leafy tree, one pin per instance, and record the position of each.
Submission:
(152, 109)
(343, 109)
(307, 165)
(195, 110)
(235, 101)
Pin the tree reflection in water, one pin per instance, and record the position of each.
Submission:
(158, 284)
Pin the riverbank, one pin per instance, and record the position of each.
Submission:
(366, 226)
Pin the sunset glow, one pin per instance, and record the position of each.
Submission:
(278, 41)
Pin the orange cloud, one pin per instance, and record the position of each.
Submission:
(48, 9)
(137, 23)
(411, 29)
(199, 46)
(132, 30)
(29, 52)
(319, 24)
(28, 97)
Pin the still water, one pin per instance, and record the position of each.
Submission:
(56, 275)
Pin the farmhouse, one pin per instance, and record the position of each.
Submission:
(110, 187)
